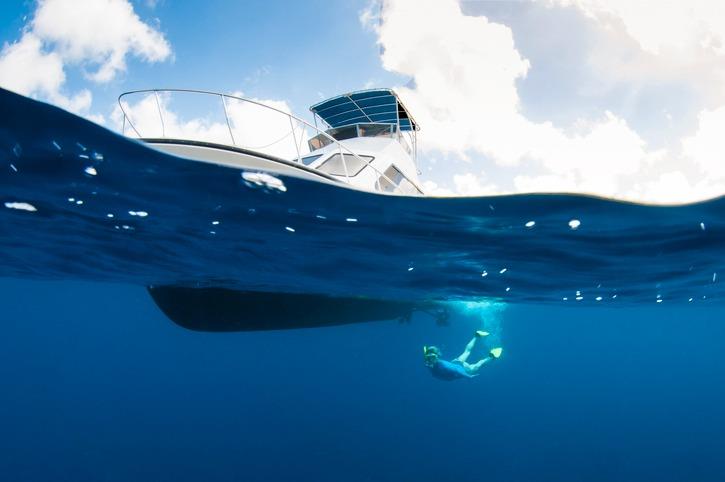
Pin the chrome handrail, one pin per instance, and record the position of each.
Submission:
(291, 117)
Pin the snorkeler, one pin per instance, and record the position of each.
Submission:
(458, 367)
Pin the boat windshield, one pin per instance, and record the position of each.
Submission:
(351, 131)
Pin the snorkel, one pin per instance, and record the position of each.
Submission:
(431, 355)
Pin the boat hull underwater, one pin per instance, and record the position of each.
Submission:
(219, 309)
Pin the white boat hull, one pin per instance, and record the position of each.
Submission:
(237, 158)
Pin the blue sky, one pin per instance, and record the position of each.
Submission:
(272, 50)
(608, 97)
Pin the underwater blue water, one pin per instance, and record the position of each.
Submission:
(97, 384)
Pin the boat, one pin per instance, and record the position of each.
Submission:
(366, 140)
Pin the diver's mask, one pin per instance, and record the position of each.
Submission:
(431, 354)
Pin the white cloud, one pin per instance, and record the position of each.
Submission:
(62, 33)
(707, 146)
(98, 32)
(465, 73)
(370, 15)
(25, 68)
(431, 188)
(661, 189)
(460, 65)
(663, 27)
(469, 184)
(647, 44)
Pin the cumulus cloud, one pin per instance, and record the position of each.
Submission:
(465, 71)
(469, 184)
(431, 188)
(91, 34)
(674, 187)
(707, 146)
(26, 68)
(663, 27)
(668, 41)
(465, 75)
(100, 33)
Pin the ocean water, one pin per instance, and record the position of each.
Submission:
(610, 315)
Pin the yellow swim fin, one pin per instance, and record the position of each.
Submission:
(496, 352)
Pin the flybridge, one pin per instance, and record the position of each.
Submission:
(378, 106)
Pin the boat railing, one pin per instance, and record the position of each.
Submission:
(290, 137)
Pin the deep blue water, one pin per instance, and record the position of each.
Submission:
(97, 384)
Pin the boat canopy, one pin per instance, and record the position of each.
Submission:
(365, 106)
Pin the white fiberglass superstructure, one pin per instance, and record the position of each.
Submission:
(365, 139)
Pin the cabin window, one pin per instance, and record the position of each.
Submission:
(342, 133)
(334, 165)
(318, 142)
(310, 159)
(375, 130)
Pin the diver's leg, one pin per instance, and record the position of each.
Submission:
(473, 368)
(493, 354)
(467, 352)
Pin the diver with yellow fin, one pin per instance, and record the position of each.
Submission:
(458, 367)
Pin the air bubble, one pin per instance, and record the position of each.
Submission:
(262, 179)
(21, 206)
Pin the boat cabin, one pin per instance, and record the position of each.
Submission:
(379, 129)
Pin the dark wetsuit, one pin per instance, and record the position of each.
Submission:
(446, 370)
